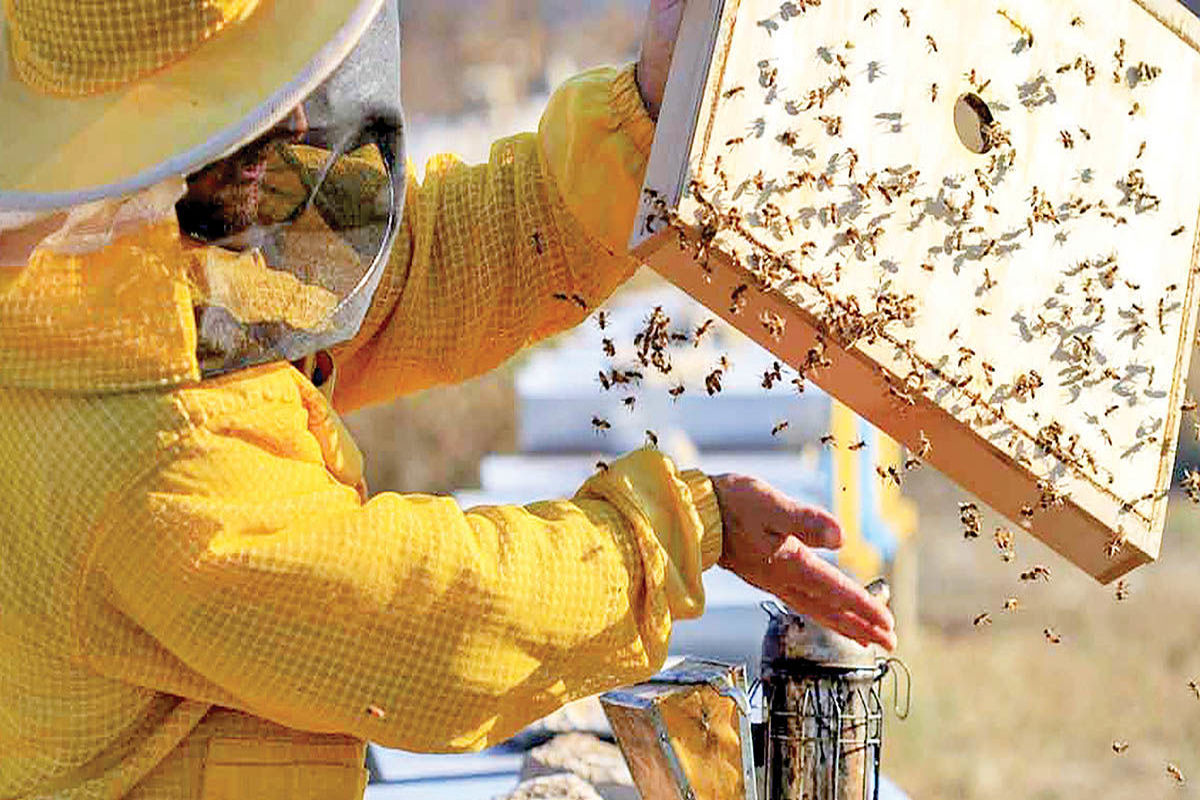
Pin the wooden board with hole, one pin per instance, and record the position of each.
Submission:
(976, 224)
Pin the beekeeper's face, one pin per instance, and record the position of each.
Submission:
(222, 199)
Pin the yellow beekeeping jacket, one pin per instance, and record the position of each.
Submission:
(197, 597)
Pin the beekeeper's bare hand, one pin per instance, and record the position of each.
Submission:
(658, 44)
(769, 540)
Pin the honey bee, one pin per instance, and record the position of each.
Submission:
(1119, 746)
(676, 391)
(652, 438)
(1122, 591)
(629, 402)
(907, 17)
(780, 428)
(1067, 141)
(933, 92)
(600, 425)
(735, 141)
(1051, 636)
(852, 161)
(1037, 573)
(610, 349)
(927, 267)
(871, 15)
(1077, 22)
(983, 620)
(604, 380)
(833, 213)
(1011, 604)
(1195, 687)
(712, 383)
(833, 125)
(602, 466)
(734, 92)
(829, 440)
(924, 447)
(538, 244)
(602, 320)
(1004, 542)
(1178, 230)
(931, 43)
(703, 329)
(376, 712)
(1176, 773)
(968, 515)
(1141, 150)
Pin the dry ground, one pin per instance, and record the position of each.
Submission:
(998, 712)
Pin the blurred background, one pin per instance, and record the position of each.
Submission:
(998, 711)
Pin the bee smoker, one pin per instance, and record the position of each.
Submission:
(822, 710)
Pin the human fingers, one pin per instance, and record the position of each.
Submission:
(812, 576)
(815, 526)
(847, 624)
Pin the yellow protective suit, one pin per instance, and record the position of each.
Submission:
(197, 600)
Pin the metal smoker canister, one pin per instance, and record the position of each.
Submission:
(822, 711)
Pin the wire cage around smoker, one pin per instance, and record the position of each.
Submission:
(824, 731)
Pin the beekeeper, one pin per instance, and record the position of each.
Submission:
(210, 249)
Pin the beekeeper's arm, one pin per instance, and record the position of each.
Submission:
(484, 249)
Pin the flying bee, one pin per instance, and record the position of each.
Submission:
(871, 15)
(1119, 746)
(1067, 140)
(1176, 773)
(1141, 150)
(1037, 573)
(1051, 636)
(829, 440)
(600, 424)
(610, 349)
(376, 712)
(852, 161)
(734, 92)
(604, 380)
(931, 43)
(1178, 230)
(735, 141)
(1122, 591)
(833, 213)
(1195, 687)
(602, 466)
(602, 319)
(983, 620)
(652, 438)
(859, 445)
(927, 267)
(1077, 22)
(630, 402)
(907, 17)
(703, 329)
(833, 125)
(1011, 604)
(676, 392)
(780, 428)
(933, 92)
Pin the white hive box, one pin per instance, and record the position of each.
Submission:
(1028, 309)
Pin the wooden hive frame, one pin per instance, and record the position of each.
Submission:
(1086, 513)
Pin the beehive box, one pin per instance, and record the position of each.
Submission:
(685, 733)
(974, 223)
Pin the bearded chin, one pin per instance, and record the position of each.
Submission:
(212, 219)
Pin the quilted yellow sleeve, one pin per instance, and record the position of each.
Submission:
(484, 249)
(266, 584)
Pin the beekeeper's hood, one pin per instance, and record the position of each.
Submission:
(262, 138)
